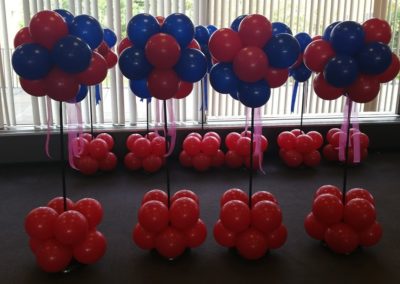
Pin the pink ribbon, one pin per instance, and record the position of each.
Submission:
(344, 128)
(356, 140)
(246, 124)
(49, 120)
(74, 120)
(172, 129)
(257, 138)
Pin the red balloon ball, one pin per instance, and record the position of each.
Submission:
(276, 77)
(194, 44)
(88, 165)
(141, 147)
(124, 44)
(359, 213)
(255, 30)
(286, 140)
(61, 86)
(213, 134)
(292, 158)
(277, 238)
(131, 140)
(57, 204)
(330, 153)
(111, 59)
(218, 159)
(153, 216)
(86, 136)
(224, 44)
(330, 189)
(132, 162)
(243, 146)
(163, 84)
(359, 193)
(201, 162)
(151, 135)
(152, 163)
(235, 215)
(103, 49)
(196, 234)
(184, 213)
(80, 147)
(223, 236)
(192, 145)
(377, 30)
(250, 64)
(391, 72)
(336, 137)
(96, 72)
(184, 90)
(296, 132)
(158, 146)
(162, 50)
(304, 143)
(312, 159)
(266, 216)
(234, 194)
(170, 243)
(317, 54)
(71, 227)
(330, 133)
(160, 20)
(233, 160)
(109, 162)
(314, 228)
(39, 223)
(142, 238)
(371, 236)
(91, 209)
(47, 27)
(185, 193)
(210, 145)
(35, 88)
(324, 90)
(52, 256)
(317, 138)
(251, 244)
(156, 194)
(328, 209)
(92, 249)
(262, 195)
(341, 238)
(364, 89)
(98, 149)
(185, 159)
(22, 36)
(231, 140)
(363, 138)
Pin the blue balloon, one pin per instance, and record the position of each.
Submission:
(110, 37)
(31, 61)
(67, 15)
(223, 79)
(236, 23)
(133, 63)
(211, 29)
(341, 71)
(192, 65)
(280, 28)
(327, 32)
(180, 27)
(254, 94)
(71, 54)
(141, 27)
(347, 38)
(201, 34)
(301, 73)
(374, 58)
(140, 89)
(88, 29)
(304, 40)
(282, 50)
(235, 96)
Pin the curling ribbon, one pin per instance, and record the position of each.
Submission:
(74, 120)
(246, 123)
(172, 129)
(344, 129)
(257, 138)
(356, 140)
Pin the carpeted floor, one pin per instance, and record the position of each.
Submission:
(301, 260)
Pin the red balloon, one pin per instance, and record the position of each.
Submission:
(131, 140)
(196, 134)
(330, 133)
(233, 160)
(109, 162)
(243, 146)
(234, 194)
(317, 138)
(71, 227)
(255, 30)
(276, 77)
(192, 145)
(359, 213)
(52, 256)
(312, 159)
(184, 90)
(194, 44)
(330, 153)
(218, 159)
(317, 54)
(317, 37)
(210, 145)
(98, 148)
(213, 134)
(371, 236)
(34, 244)
(152, 163)
(235, 216)
(153, 216)
(196, 234)
(377, 30)
(156, 194)
(160, 20)
(157, 146)
(296, 132)
(22, 36)
(391, 72)
(124, 44)
(364, 139)
(335, 139)
(364, 89)
(92, 249)
(170, 243)
(47, 27)
(286, 140)
(341, 238)
(292, 158)
(250, 64)
(185, 159)
(277, 238)
(39, 223)
(103, 49)
(96, 72)
(35, 88)
(304, 143)
(314, 228)
(224, 44)
(162, 50)
(57, 204)
(328, 209)
(132, 162)
(324, 90)
(61, 86)
(86, 136)
(266, 216)
(201, 162)
(163, 84)
(108, 138)
(151, 135)
(359, 193)
(223, 236)
(91, 209)
(142, 238)
(231, 140)
(331, 189)
(262, 195)
(80, 146)
(111, 59)
(185, 193)
(141, 147)
(251, 244)
(88, 165)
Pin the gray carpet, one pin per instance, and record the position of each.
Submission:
(301, 260)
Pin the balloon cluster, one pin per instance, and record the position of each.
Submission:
(297, 148)
(252, 231)
(251, 59)
(201, 37)
(299, 70)
(238, 146)
(352, 59)
(169, 230)
(343, 227)
(94, 154)
(57, 236)
(55, 55)
(202, 152)
(160, 62)
(145, 152)
(331, 150)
